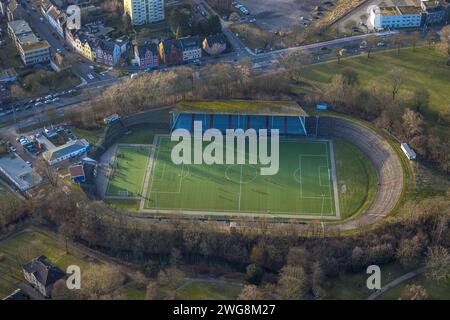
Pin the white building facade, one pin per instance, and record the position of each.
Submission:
(144, 11)
(396, 17)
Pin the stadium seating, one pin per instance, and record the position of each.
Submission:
(288, 125)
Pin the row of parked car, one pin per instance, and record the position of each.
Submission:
(29, 144)
(41, 101)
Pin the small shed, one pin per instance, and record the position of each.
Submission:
(77, 173)
(410, 154)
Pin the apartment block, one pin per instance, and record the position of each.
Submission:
(31, 49)
(144, 11)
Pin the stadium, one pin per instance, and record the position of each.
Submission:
(314, 180)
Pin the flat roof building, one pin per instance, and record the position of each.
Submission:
(394, 17)
(18, 172)
(31, 49)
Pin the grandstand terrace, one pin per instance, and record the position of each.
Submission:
(288, 117)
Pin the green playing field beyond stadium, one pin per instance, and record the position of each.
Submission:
(128, 171)
(303, 185)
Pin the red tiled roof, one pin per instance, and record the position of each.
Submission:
(76, 171)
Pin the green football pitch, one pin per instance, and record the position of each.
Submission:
(128, 171)
(304, 184)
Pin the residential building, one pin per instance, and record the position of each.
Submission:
(437, 11)
(146, 55)
(13, 11)
(215, 44)
(42, 275)
(183, 50)
(56, 18)
(394, 17)
(69, 150)
(31, 49)
(82, 43)
(124, 44)
(191, 48)
(3, 8)
(144, 11)
(170, 52)
(107, 53)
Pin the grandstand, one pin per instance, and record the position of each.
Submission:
(288, 120)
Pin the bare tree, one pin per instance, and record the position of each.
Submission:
(371, 42)
(445, 42)
(46, 171)
(397, 78)
(412, 123)
(438, 261)
(414, 292)
(414, 37)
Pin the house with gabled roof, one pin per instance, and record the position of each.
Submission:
(191, 48)
(107, 53)
(42, 275)
(215, 44)
(170, 52)
(146, 55)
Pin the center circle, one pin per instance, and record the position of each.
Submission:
(241, 173)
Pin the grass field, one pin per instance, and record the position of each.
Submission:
(202, 290)
(302, 186)
(16, 251)
(89, 134)
(425, 67)
(353, 286)
(356, 176)
(435, 291)
(127, 176)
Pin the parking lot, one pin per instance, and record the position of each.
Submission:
(32, 144)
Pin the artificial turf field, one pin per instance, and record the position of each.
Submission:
(128, 172)
(302, 186)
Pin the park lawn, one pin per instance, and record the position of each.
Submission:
(203, 290)
(132, 291)
(128, 171)
(90, 135)
(21, 249)
(353, 286)
(425, 67)
(356, 176)
(436, 291)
